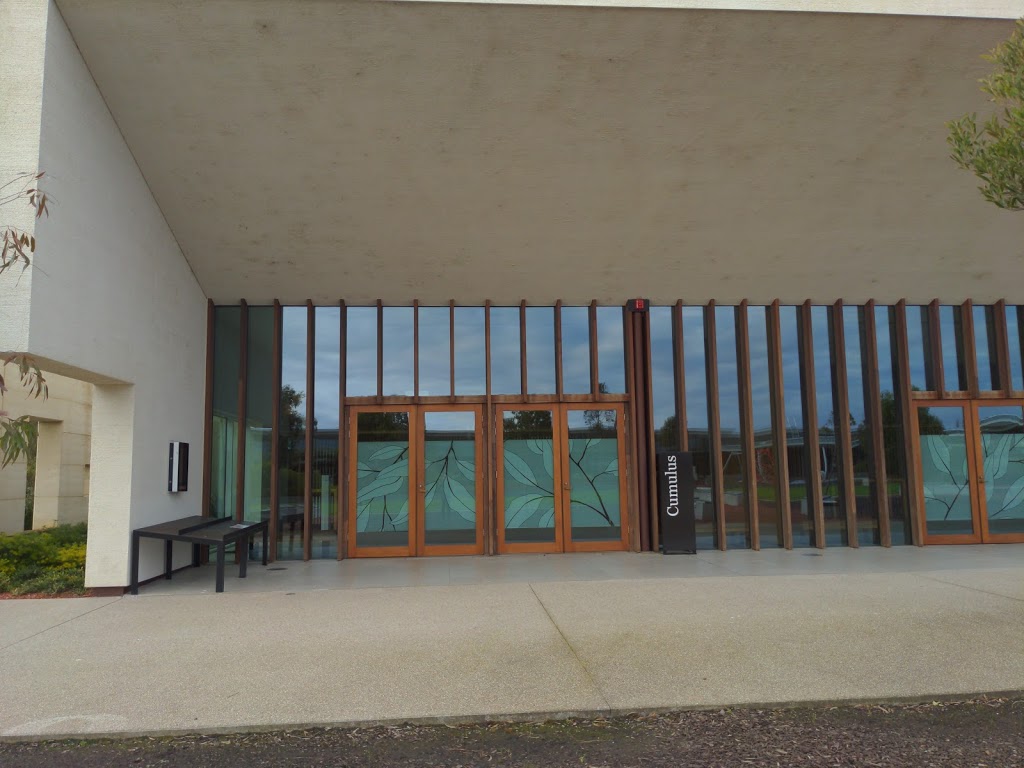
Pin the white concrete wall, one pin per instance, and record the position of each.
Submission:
(22, 44)
(118, 305)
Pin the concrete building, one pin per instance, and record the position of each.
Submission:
(374, 261)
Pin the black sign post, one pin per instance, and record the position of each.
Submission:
(675, 502)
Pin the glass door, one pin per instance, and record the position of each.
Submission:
(559, 483)
(450, 483)
(414, 484)
(593, 452)
(945, 451)
(381, 451)
(1000, 469)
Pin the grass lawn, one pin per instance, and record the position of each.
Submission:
(50, 561)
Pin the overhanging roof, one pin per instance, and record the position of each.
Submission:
(365, 150)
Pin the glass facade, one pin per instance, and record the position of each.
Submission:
(283, 377)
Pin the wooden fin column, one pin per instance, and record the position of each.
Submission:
(644, 321)
(780, 439)
(936, 367)
(808, 387)
(747, 423)
(341, 516)
(873, 408)
(970, 349)
(243, 377)
(841, 422)
(275, 430)
(490, 427)
(1002, 344)
(907, 415)
(307, 515)
(207, 500)
(714, 422)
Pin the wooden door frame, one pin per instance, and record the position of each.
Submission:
(986, 536)
(499, 473)
(433, 550)
(594, 546)
(353, 486)
(970, 433)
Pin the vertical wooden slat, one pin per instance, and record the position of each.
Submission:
(558, 349)
(243, 377)
(451, 348)
(275, 428)
(808, 387)
(1002, 343)
(777, 393)
(595, 384)
(679, 370)
(907, 413)
(714, 422)
(841, 419)
(934, 341)
(307, 515)
(873, 413)
(747, 422)
(342, 429)
(524, 384)
(380, 349)
(416, 350)
(970, 351)
(634, 477)
(490, 428)
(207, 498)
(644, 322)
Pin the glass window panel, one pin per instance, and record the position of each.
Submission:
(986, 349)
(1002, 446)
(435, 351)
(291, 442)
(954, 368)
(224, 428)
(765, 459)
(259, 408)
(892, 427)
(360, 351)
(695, 372)
(944, 474)
(832, 503)
(800, 513)
(919, 348)
(860, 427)
(327, 370)
(663, 382)
(737, 523)
(611, 352)
(450, 505)
(398, 351)
(575, 350)
(594, 501)
(470, 351)
(540, 350)
(382, 479)
(1014, 316)
(528, 476)
(505, 351)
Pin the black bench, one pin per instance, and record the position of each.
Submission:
(216, 532)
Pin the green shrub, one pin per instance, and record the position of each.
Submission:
(49, 561)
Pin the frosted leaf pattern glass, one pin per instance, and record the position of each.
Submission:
(382, 480)
(1002, 445)
(944, 471)
(528, 474)
(594, 476)
(449, 455)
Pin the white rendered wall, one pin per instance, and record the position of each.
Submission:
(119, 305)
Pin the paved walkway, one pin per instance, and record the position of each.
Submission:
(367, 641)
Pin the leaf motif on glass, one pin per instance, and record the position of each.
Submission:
(388, 481)
(519, 469)
(521, 509)
(460, 500)
(939, 452)
(547, 521)
(546, 454)
(1014, 496)
(387, 452)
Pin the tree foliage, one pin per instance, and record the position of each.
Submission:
(994, 150)
(17, 248)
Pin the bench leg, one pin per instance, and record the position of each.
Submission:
(245, 556)
(220, 567)
(135, 564)
(266, 528)
(195, 555)
(168, 559)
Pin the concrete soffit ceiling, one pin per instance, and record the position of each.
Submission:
(398, 150)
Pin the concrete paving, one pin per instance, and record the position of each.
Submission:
(464, 638)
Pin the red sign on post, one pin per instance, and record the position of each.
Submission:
(639, 305)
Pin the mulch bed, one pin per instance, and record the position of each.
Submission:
(43, 595)
(981, 732)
